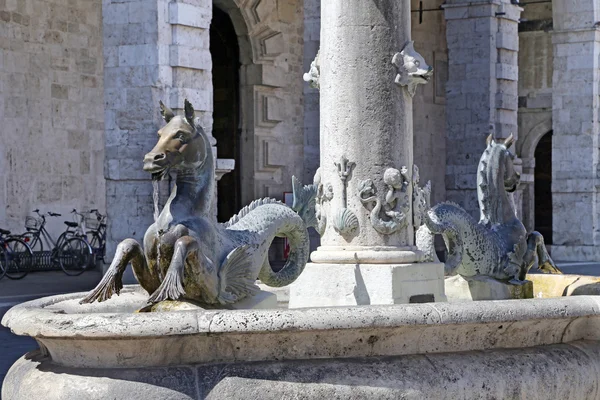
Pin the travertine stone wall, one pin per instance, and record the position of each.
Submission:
(535, 95)
(575, 143)
(482, 88)
(51, 109)
(429, 102)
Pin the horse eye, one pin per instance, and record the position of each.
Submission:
(417, 63)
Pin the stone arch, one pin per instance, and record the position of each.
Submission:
(526, 151)
(526, 147)
(270, 89)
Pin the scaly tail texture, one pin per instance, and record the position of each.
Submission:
(246, 210)
(438, 221)
(304, 202)
(235, 277)
(297, 235)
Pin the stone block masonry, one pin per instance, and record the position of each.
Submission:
(481, 92)
(576, 131)
(51, 109)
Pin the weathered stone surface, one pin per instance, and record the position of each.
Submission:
(485, 288)
(51, 109)
(112, 335)
(576, 44)
(483, 43)
(532, 373)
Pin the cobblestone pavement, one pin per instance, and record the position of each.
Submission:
(33, 286)
(42, 284)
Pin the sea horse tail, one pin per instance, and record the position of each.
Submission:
(297, 236)
(425, 243)
(439, 220)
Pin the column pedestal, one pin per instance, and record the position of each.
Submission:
(368, 198)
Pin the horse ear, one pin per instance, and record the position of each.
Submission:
(509, 141)
(189, 112)
(166, 112)
(490, 139)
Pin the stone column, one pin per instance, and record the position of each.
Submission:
(575, 141)
(364, 205)
(481, 92)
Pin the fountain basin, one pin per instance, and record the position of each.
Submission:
(439, 350)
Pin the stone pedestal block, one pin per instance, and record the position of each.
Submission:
(475, 288)
(325, 285)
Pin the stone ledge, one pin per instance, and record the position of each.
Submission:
(111, 335)
(534, 373)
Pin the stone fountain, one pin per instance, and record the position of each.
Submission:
(199, 327)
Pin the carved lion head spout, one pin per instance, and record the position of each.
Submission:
(412, 68)
(180, 144)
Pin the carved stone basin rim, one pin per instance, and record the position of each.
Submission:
(102, 336)
(36, 318)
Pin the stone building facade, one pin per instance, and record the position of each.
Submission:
(80, 82)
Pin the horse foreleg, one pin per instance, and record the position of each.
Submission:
(171, 287)
(536, 246)
(112, 282)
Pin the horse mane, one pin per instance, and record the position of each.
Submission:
(246, 210)
(489, 182)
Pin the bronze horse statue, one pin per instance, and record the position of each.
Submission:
(186, 254)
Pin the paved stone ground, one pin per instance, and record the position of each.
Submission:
(34, 285)
(42, 284)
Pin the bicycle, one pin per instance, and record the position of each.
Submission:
(71, 251)
(96, 234)
(15, 256)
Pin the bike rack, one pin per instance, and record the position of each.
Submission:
(42, 261)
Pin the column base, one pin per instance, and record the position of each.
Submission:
(475, 288)
(327, 285)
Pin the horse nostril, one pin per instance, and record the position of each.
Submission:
(160, 156)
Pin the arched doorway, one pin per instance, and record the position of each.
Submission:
(543, 187)
(225, 54)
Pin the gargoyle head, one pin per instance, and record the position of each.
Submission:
(412, 68)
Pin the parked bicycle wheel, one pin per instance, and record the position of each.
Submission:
(96, 244)
(20, 258)
(34, 241)
(3, 261)
(75, 256)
